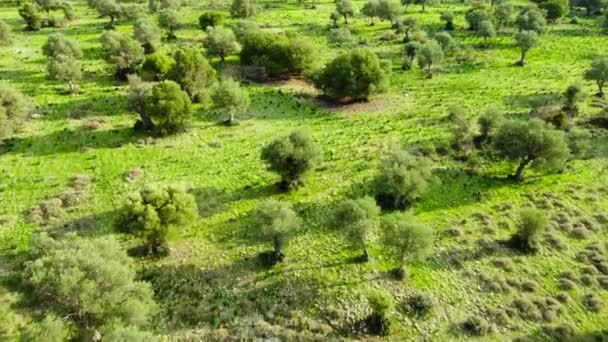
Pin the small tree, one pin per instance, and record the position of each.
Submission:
(211, 19)
(573, 95)
(401, 179)
(50, 329)
(531, 225)
(430, 54)
(486, 30)
(221, 42)
(137, 96)
(390, 10)
(147, 34)
(406, 240)
(445, 40)
(291, 157)
(275, 221)
(357, 218)
(171, 20)
(89, 281)
(488, 121)
(108, 8)
(598, 73)
(345, 9)
(530, 142)
(525, 40)
(503, 12)
(407, 25)
(532, 20)
(5, 33)
(462, 129)
(448, 17)
(229, 97)
(152, 211)
(168, 107)
(31, 14)
(60, 45)
(125, 53)
(356, 75)
(242, 8)
(14, 109)
(158, 64)
(475, 17)
(65, 69)
(554, 10)
(371, 9)
(192, 72)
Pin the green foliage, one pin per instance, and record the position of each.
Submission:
(11, 321)
(488, 121)
(345, 9)
(531, 225)
(486, 30)
(463, 128)
(89, 281)
(554, 10)
(243, 8)
(14, 109)
(356, 75)
(448, 17)
(503, 13)
(147, 34)
(211, 19)
(407, 25)
(292, 157)
(341, 36)
(598, 73)
(171, 20)
(579, 142)
(50, 329)
(169, 108)
(530, 142)
(371, 9)
(60, 45)
(406, 240)
(31, 14)
(5, 33)
(150, 212)
(532, 20)
(573, 95)
(193, 73)
(229, 97)
(401, 179)
(275, 221)
(65, 69)
(430, 55)
(158, 64)
(357, 218)
(475, 16)
(279, 55)
(445, 40)
(389, 10)
(378, 323)
(525, 40)
(125, 53)
(221, 42)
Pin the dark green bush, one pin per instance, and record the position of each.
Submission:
(531, 225)
(211, 19)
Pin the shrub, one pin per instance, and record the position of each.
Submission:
(280, 55)
(345, 9)
(125, 53)
(371, 9)
(419, 304)
(242, 8)
(221, 42)
(532, 20)
(59, 45)
(275, 221)
(389, 10)
(150, 213)
(168, 108)
(356, 75)
(446, 41)
(525, 40)
(406, 240)
(158, 65)
(73, 276)
(530, 142)
(193, 73)
(50, 329)
(147, 34)
(488, 121)
(210, 19)
(5, 33)
(448, 17)
(531, 225)
(573, 95)
(592, 302)
(378, 323)
(598, 73)
(402, 178)
(229, 97)
(554, 10)
(137, 96)
(357, 218)
(14, 109)
(341, 36)
(291, 157)
(475, 326)
(31, 14)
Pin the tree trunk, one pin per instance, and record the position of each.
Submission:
(365, 256)
(423, 8)
(522, 60)
(519, 173)
(600, 86)
(278, 255)
(222, 61)
(345, 20)
(71, 87)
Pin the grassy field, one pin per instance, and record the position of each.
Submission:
(212, 280)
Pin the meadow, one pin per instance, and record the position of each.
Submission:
(211, 285)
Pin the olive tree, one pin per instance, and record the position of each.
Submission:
(59, 45)
(147, 34)
(5, 33)
(168, 108)
(229, 97)
(65, 69)
(192, 72)
(210, 19)
(345, 9)
(430, 55)
(598, 72)
(475, 16)
(371, 10)
(531, 224)
(152, 211)
(572, 96)
(125, 53)
(89, 281)
(448, 18)
(401, 179)
(425, 3)
(358, 218)
(525, 40)
(445, 41)
(389, 10)
(242, 8)
(221, 42)
(356, 75)
(30, 12)
(50, 329)
(406, 240)
(530, 142)
(486, 30)
(157, 65)
(107, 8)
(171, 20)
(292, 157)
(532, 20)
(488, 121)
(14, 109)
(137, 97)
(275, 221)
(407, 25)
(503, 13)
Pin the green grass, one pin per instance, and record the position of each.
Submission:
(217, 280)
